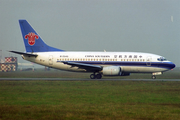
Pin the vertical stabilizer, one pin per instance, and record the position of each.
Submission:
(32, 41)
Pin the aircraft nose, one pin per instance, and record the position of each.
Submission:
(172, 65)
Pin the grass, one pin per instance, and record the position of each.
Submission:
(90, 100)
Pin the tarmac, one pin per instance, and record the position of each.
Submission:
(84, 79)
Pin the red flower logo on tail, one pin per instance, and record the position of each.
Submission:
(31, 38)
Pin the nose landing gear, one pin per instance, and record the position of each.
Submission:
(153, 77)
(156, 73)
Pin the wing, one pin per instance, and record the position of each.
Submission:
(87, 67)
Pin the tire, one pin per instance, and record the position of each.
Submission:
(92, 76)
(98, 76)
(153, 77)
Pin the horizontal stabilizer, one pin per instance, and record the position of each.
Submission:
(27, 54)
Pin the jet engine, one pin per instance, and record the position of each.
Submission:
(114, 71)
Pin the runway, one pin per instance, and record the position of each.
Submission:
(84, 79)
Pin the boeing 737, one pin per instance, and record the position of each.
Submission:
(97, 63)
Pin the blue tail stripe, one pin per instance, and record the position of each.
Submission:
(38, 45)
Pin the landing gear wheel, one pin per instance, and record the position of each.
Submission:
(92, 76)
(98, 76)
(153, 77)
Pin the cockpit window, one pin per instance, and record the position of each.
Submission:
(162, 59)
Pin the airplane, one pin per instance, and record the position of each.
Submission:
(98, 63)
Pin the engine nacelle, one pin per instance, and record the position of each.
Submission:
(112, 71)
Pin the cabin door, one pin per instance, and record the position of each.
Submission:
(50, 60)
(148, 60)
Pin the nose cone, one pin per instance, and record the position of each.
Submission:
(172, 65)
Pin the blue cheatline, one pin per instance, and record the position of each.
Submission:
(167, 65)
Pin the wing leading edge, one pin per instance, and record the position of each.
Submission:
(87, 67)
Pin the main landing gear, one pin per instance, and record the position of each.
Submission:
(96, 76)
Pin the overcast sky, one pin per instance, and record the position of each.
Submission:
(151, 26)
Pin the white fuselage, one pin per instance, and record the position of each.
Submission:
(132, 62)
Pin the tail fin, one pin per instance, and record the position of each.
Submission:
(32, 41)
